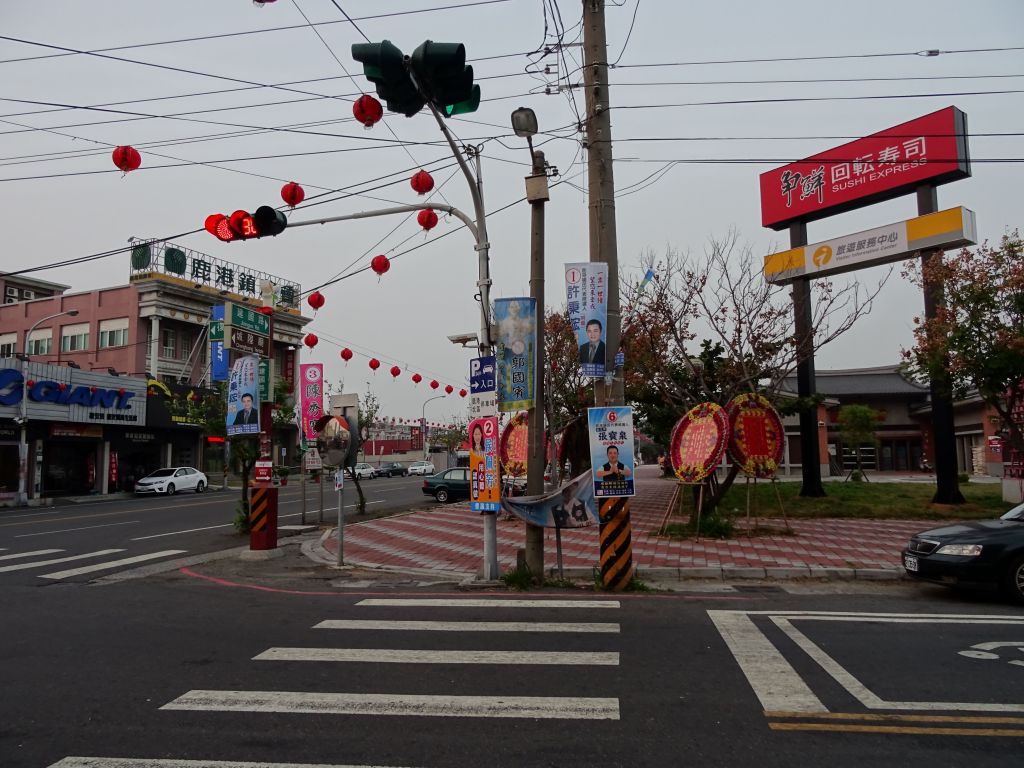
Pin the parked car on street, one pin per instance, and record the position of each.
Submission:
(449, 485)
(980, 552)
(421, 468)
(170, 480)
(391, 469)
(364, 472)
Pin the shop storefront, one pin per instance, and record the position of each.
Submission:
(72, 422)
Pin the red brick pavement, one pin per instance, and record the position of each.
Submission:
(450, 538)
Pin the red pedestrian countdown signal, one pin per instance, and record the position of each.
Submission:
(240, 225)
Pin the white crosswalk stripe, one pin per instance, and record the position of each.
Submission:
(147, 762)
(387, 656)
(106, 566)
(44, 563)
(471, 626)
(484, 603)
(34, 553)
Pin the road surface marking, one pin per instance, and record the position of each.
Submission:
(149, 762)
(69, 530)
(110, 564)
(861, 692)
(776, 684)
(897, 729)
(190, 530)
(878, 717)
(498, 603)
(287, 702)
(469, 626)
(44, 563)
(31, 554)
(391, 656)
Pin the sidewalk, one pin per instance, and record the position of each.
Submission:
(449, 539)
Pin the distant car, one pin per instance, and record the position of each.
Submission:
(170, 480)
(364, 472)
(449, 485)
(980, 552)
(392, 468)
(421, 468)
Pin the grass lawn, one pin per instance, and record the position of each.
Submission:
(893, 501)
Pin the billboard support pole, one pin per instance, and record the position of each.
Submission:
(947, 487)
(803, 322)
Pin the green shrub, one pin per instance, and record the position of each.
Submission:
(856, 476)
(520, 579)
(963, 477)
(241, 518)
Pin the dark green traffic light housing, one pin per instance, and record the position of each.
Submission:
(435, 73)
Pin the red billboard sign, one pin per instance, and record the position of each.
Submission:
(881, 166)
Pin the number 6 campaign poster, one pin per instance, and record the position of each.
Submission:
(611, 450)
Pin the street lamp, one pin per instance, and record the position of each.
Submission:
(423, 425)
(23, 419)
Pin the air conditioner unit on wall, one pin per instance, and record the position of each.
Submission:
(10, 300)
(29, 294)
(12, 291)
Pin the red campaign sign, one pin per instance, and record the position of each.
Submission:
(878, 167)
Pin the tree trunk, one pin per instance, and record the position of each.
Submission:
(359, 490)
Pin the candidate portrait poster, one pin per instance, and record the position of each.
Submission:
(611, 450)
(571, 506)
(586, 292)
(485, 479)
(516, 352)
(243, 416)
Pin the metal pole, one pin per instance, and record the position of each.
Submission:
(341, 520)
(302, 469)
(320, 475)
(537, 194)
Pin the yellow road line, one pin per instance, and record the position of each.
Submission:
(896, 729)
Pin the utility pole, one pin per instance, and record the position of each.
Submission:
(537, 194)
(616, 536)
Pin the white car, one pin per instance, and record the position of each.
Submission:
(365, 471)
(170, 480)
(421, 468)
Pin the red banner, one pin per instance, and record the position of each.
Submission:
(878, 167)
(515, 445)
(756, 436)
(698, 442)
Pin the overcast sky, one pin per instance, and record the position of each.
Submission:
(63, 198)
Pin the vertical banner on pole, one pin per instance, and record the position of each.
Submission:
(485, 479)
(586, 291)
(516, 352)
(611, 456)
(311, 398)
(243, 413)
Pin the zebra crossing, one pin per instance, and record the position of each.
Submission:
(44, 559)
(470, 616)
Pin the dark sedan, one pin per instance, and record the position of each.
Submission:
(449, 485)
(982, 552)
(391, 469)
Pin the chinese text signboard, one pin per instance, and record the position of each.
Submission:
(586, 291)
(611, 450)
(485, 479)
(930, 149)
(249, 319)
(243, 417)
(311, 397)
(516, 352)
(483, 387)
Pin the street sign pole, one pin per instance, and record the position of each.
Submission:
(340, 475)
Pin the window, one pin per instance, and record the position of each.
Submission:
(8, 344)
(113, 333)
(74, 338)
(169, 343)
(41, 342)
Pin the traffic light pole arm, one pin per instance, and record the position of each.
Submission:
(389, 211)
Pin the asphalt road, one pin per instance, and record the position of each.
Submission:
(284, 662)
(76, 542)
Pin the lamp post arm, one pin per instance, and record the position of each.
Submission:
(465, 219)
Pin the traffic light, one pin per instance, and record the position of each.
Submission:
(240, 225)
(443, 77)
(384, 66)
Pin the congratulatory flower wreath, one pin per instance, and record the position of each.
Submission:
(756, 435)
(698, 442)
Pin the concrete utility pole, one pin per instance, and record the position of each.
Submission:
(601, 187)
(537, 194)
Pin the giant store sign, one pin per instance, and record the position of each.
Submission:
(57, 393)
(927, 150)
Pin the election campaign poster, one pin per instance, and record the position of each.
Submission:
(516, 352)
(243, 417)
(611, 450)
(586, 288)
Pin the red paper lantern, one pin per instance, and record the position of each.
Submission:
(315, 300)
(266, 310)
(126, 158)
(367, 110)
(374, 363)
(463, 393)
(292, 194)
(121, 392)
(434, 384)
(346, 354)
(395, 371)
(422, 182)
(380, 264)
(449, 389)
(311, 340)
(427, 218)
(30, 383)
(416, 378)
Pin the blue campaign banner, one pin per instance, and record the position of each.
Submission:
(243, 417)
(516, 352)
(611, 450)
(586, 293)
(571, 506)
